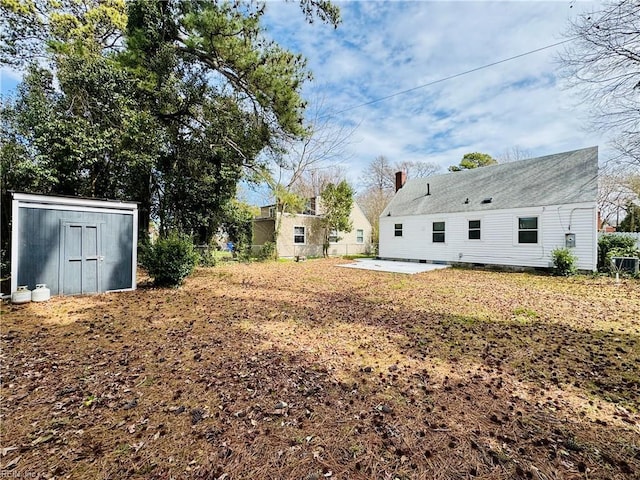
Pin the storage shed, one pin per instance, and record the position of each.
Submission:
(73, 245)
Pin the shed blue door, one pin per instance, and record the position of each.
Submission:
(82, 258)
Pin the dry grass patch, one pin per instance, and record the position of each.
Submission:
(306, 370)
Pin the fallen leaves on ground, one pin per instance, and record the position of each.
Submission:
(310, 371)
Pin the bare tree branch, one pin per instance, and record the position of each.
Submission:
(292, 163)
(604, 62)
(514, 154)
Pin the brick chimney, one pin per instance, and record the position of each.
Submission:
(401, 178)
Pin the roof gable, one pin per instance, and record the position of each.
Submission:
(562, 178)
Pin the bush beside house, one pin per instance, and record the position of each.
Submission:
(615, 246)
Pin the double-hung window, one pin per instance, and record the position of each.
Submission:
(528, 230)
(299, 235)
(333, 236)
(474, 229)
(397, 229)
(438, 232)
(359, 236)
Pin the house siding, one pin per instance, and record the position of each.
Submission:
(312, 246)
(348, 244)
(314, 235)
(263, 229)
(498, 244)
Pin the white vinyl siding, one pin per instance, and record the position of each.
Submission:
(499, 243)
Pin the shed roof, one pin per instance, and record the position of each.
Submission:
(562, 178)
(67, 200)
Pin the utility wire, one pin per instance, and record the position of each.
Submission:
(444, 79)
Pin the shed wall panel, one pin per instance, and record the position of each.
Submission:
(117, 245)
(39, 237)
(39, 249)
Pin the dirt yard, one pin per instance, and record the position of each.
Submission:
(310, 371)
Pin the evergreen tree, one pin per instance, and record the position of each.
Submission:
(337, 202)
(162, 102)
(473, 160)
(631, 223)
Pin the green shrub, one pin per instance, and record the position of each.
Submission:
(607, 243)
(169, 260)
(243, 253)
(5, 263)
(564, 262)
(207, 257)
(267, 251)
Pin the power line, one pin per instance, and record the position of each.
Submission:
(444, 79)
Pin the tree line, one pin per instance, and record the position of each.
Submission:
(170, 103)
(166, 103)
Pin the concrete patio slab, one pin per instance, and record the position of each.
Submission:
(410, 268)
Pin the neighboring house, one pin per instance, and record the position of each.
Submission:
(73, 245)
(512, 214)
(603, 226)
(302, 234)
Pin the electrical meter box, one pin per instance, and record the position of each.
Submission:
(569, 240)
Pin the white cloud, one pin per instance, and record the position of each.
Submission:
(383, 48)
(386, 47)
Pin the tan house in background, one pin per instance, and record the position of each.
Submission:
(301, 234)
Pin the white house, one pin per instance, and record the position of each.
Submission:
(511, 214)
(302, 234)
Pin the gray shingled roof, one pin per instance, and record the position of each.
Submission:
(570, 177)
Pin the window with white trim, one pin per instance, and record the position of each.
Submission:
(333, 236)
(438, 232)
(310, 206)
(359, 236)
(527, 229)
(474, 230)
(299, 236)
(397, 229)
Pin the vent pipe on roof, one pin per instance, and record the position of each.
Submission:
(401, 178)
(428, 190)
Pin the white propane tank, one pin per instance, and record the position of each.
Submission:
(21, 295)
(41, 293)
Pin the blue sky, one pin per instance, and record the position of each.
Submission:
(384, 47)
(9, 81)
